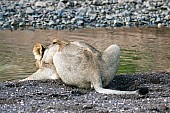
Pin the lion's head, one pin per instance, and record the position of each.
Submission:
(44, 56)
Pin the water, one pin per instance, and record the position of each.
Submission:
(142, 49)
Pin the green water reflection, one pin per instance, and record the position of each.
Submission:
(131, 62)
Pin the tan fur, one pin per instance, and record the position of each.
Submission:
(79, 64)
(38, 64)
(38, 51)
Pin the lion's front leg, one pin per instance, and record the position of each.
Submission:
(43, 73)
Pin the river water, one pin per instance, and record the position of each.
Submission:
(142, 49)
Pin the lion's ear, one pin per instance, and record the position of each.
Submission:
(61, 43)
(38, 51)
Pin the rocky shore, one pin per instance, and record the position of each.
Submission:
(73, 14)
(53, 96)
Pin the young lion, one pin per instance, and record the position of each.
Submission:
(78, 64)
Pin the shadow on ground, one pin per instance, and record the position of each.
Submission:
(54, 96)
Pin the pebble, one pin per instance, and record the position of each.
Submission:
(29, 10)
(62, 14)
(87, 106)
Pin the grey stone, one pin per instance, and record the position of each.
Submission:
(50, 2)
(21, 24)
(167, 17)
(40, 4)
(87, 106)
(51, 22)
(29, 10)
(72, 3)
(58, 21)
(91, 14)
(106, 2)
(61, 5)
(146, 3)
(82, 11)
(80, 22)
(50, 8)
(151, 8)
(64, 21)
(73, 20)
(158, 20)
(14, 22)
(164, 7)
(109, 17)
(1, 23)
(97, 2)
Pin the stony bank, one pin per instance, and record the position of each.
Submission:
(73, 14)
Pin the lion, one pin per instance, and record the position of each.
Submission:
(78, 64)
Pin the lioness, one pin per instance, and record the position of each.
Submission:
(78, 64)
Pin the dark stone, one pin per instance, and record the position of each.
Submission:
(143, 90)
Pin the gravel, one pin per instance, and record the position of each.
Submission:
(54, 96)
(74, 14)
